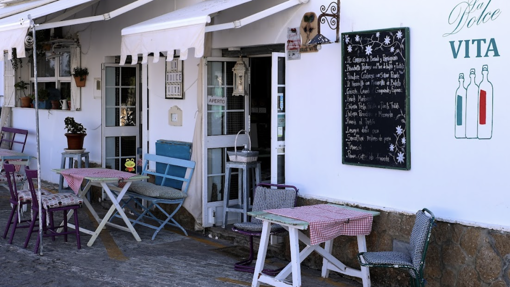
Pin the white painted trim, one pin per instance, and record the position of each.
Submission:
(104, 17)
(255, 17)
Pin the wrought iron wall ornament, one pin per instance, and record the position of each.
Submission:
(331, 16)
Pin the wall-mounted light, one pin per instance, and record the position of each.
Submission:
(330, 15)
(241, 74)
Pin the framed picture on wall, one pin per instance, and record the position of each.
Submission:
(174, 80)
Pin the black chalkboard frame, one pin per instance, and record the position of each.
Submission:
(400, 157)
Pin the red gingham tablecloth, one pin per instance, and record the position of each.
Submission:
(75, 176)
(329, 221)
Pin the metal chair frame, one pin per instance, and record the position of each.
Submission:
(416, 272)
(245, 265)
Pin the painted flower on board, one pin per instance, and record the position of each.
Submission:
(400, 157)
(399, 34)
(358, 38)
(387, 40)
(349, 48)
(403, 141)
(368, 50)
(392, 147)
(399, 130)
(347, 39)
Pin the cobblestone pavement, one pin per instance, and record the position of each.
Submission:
(117, 259)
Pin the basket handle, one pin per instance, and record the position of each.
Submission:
(235, 142)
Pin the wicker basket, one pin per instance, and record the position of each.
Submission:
(244, 155)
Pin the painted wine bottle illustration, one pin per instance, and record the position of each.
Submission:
(460, 109)
(472, 107)
(485, 105)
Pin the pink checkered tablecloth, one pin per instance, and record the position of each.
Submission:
(7, 152)
(75, 176)
(329, 221)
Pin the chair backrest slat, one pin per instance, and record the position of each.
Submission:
(420, 236)
(266, 197)
(11, 181)
(31, 175)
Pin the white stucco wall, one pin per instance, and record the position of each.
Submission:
(459, 180)
(100, 40)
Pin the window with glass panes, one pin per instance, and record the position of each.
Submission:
(54, 75)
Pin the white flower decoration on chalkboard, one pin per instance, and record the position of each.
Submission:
(392, 147)
(368, 50)
(349, 48)
(358, 38)
(403, 141)
(392, 49)
(387, 40)
(347, 39)
(400, 157)
(399, 34)
(399, 130)
(377, 34)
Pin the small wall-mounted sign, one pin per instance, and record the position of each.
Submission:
(174, 80)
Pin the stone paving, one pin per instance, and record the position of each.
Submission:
(117, 259)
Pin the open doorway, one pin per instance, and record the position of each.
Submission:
(260, 116)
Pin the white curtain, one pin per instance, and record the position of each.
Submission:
(194, 201)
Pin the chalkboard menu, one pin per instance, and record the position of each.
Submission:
(375, 103)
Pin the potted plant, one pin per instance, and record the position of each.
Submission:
(26, 101)
(75, 134)
(42, 98)
(80, 76)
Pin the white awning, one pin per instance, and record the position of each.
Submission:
(183, 29)
(14, 28)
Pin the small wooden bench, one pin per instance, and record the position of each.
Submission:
(159, 192)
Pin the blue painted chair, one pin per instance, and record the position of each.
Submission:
(413, 259)
(266, 196)
(158, 193)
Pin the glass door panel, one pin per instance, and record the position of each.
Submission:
(120, 116)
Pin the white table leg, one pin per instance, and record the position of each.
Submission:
(365, 271)
(328, 247)
(116, 206)
(261, 256)
(295, 257)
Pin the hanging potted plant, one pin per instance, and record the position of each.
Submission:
(75, 134)
(80, 76)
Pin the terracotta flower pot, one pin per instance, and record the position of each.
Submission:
(26, 102)
(75, 141)
(80, 81)
(55, 105)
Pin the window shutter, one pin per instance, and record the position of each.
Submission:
(9, 81)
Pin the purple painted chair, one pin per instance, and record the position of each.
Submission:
(266, 196)
(20, 199)
(14, 139)
(52, 203)
(11, 136)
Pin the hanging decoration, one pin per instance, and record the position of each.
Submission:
(241, 73)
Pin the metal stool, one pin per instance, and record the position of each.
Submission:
(244, 187)
(71, 156)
